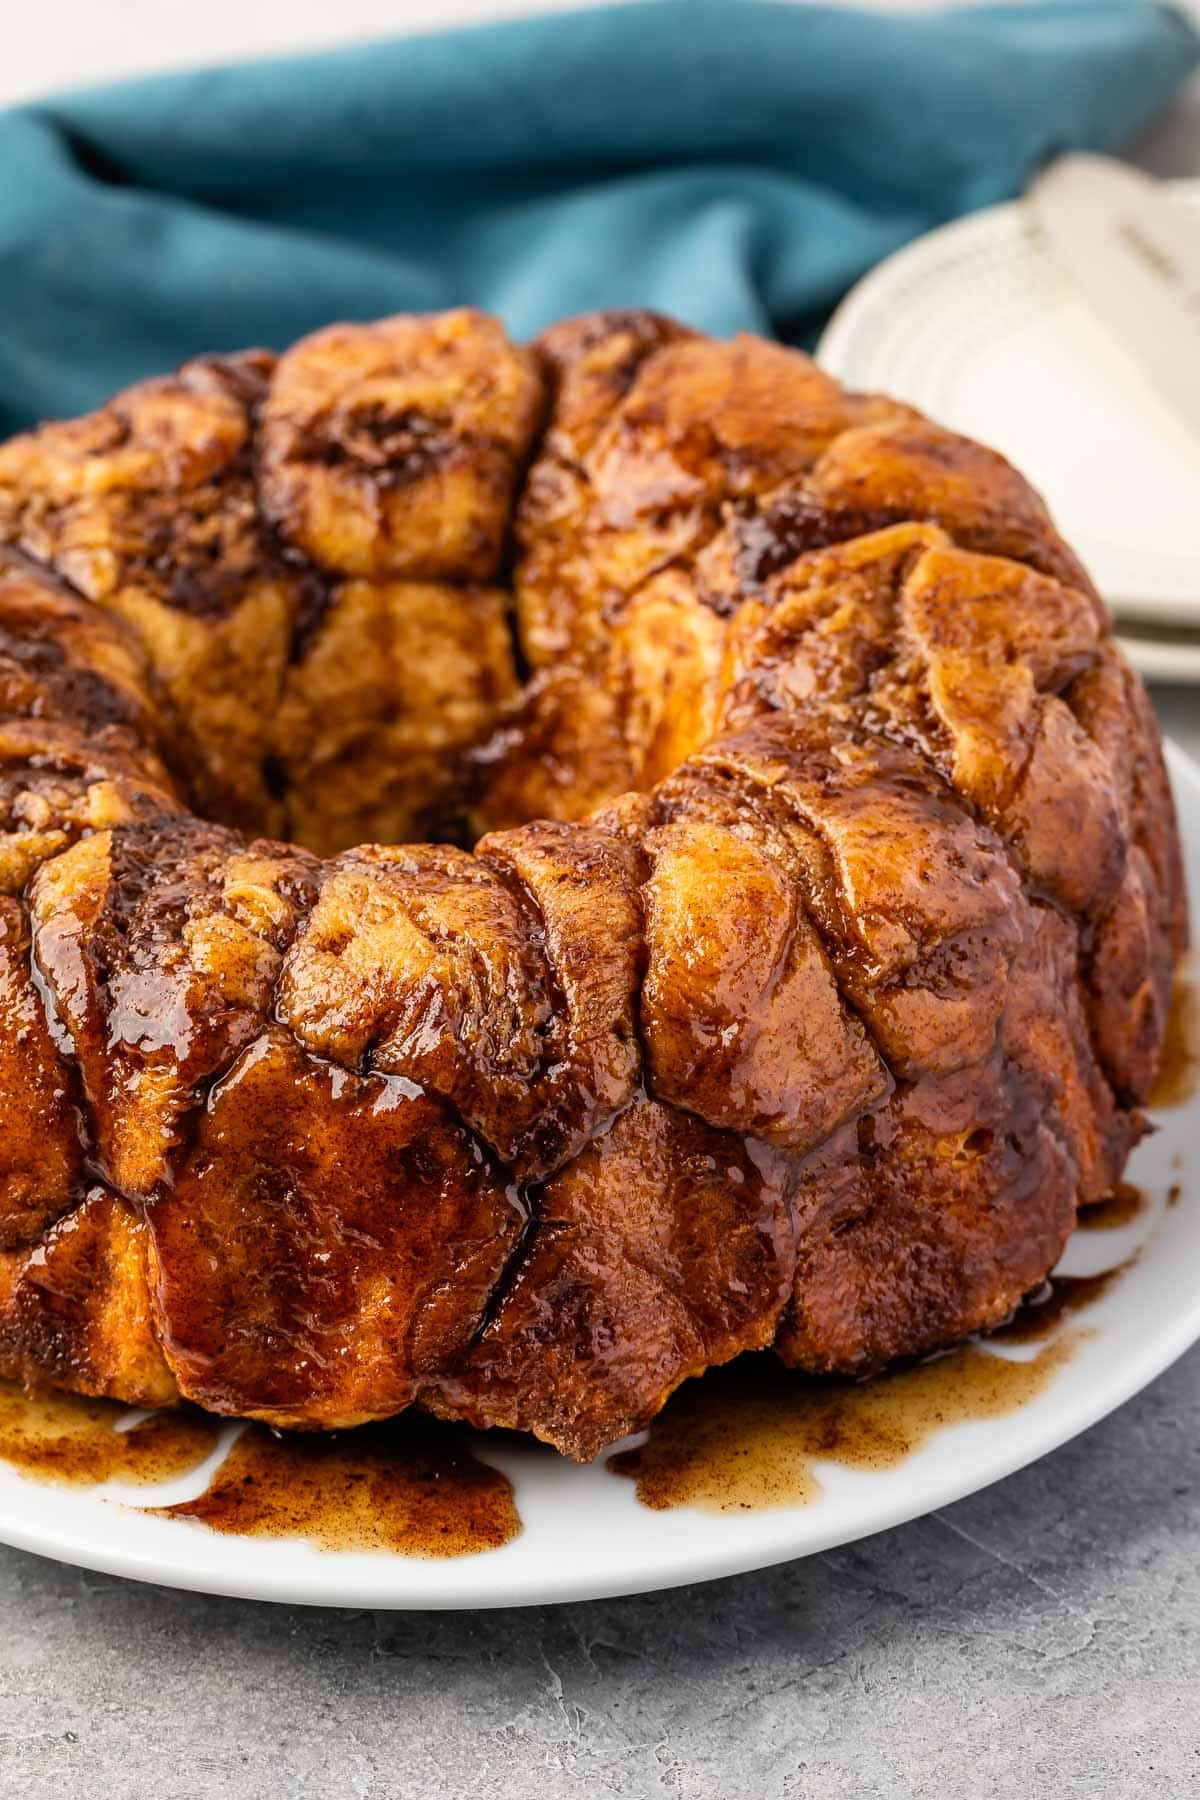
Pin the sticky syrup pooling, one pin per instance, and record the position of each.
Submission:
(743, 1437)
(1125, 1204)
(1179, 1074)
(75, 1442)
(412, 1487)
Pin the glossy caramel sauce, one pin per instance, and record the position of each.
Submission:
(1179, 1076)
(1125, 1204)
(1062, 1297)
(745, 1437)
(67, 1439)
(408, 1485)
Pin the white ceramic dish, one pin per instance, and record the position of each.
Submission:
(978, 327)
(586, 1534)
(1163, 659)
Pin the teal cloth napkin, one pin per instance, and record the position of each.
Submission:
(738, 164)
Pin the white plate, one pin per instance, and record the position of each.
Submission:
(977, 326)
(585, 1533)
(1163, 659)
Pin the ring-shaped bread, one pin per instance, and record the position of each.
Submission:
(808, 970)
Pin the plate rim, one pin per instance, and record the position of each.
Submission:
(834, 353)
(843, 318)
(353, 1580)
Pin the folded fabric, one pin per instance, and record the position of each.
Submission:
(738, 164)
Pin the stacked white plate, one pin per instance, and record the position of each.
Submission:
(977, 326)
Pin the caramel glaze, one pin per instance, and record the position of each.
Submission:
(410, 1487)
(1125, 1204)
(66, 1439)
(1179, 1073)
(1059, 1298)
(745, 1437)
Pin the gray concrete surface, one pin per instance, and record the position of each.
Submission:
(1041, 1639)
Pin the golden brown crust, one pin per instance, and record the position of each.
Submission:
(504, 982)
(75, 1309)
(63, 660)
(807, 977)
(256, 525)
(56, 785)
(623, 490)
(741, 1013)
(329, 1240)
